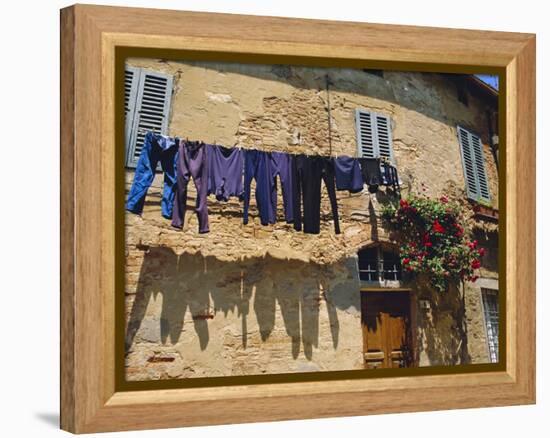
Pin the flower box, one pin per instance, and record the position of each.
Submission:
(485, 212)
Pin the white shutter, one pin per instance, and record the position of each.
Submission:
(468, 163)
(374, 139)
(482, 182)
(152, 110)
(383, 136)
(131, 82)
(366, 143)
(473, 162)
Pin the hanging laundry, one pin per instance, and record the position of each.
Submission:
(257, 166)
(191, 162)
(370, 169)
(156, 147)
(348, 174)
(225, 167)
(307, 173)
(390, 178)
(281, 165)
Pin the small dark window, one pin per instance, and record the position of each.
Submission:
(376, 264)
(490, 311)
(368, 264)
(462, 92)
(375, 72)
(391, 265)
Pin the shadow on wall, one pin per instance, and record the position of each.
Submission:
(205, 285)
(489, 241)
(443, 328)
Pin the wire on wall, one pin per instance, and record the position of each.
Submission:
(328, 83)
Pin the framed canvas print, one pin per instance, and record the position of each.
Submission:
(270, 218)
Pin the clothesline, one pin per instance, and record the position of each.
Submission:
(230, 175)
(382, 159)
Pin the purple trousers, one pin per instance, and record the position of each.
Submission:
(191, 162)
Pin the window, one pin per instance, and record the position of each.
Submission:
(147, 98)
(461, 91)
(374, 71)
(377, 264)
(490, 311)
(374, 139)
(473, 162)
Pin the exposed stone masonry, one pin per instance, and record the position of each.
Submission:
(253, 299)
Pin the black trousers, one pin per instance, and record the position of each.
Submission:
(307, 172)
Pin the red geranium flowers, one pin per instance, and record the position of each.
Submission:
(437, 227)
(433, 241)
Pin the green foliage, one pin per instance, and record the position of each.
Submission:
(432, 240)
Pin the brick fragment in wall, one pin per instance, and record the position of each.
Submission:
(298, 123)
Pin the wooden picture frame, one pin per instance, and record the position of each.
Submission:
(91, 399)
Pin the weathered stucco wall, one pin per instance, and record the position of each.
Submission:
(201, 316)
(252, 299)
(284, 108)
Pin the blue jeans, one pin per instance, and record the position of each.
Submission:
(156, 148)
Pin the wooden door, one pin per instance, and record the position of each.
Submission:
(386, 329)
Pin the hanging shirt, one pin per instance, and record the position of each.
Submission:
(307, 173)
(156, 147)
(348, 174)
(191, 162)
(225, 169)
(281, 165)
(370, 169)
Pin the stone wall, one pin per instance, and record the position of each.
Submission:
(202, 316)
(253, 299)
(285, 108)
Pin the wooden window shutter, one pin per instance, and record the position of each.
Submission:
(383, 136)
(480, 168)
(151, 111)
(473, 162)
(374, 137)
(131, 82)
(366, 140)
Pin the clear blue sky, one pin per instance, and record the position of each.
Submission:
(490, 80)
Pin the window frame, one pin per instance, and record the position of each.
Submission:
(373, 117)
(462, 94)
(136, 95)
(485, 292)
(380, 271)
(478, 195)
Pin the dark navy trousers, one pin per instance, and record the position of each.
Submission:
(281, 165)
(308, 171)
(257, 167)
